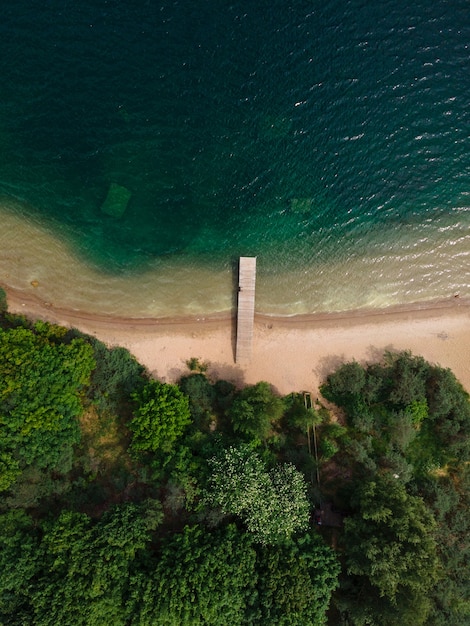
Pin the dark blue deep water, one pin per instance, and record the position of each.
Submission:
(237, 127)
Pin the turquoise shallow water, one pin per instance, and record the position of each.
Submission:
(326, 138)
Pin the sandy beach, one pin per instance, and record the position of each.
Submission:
(292, 353)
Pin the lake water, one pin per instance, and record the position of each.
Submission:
(329, 139)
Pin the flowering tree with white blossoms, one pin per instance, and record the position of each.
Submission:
(273, 505)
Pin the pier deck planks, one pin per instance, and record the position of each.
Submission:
(246, 308)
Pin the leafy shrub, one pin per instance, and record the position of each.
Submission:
(327, 448)
(297, 416)
(195, 365)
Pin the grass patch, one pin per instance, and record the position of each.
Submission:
(104, 443)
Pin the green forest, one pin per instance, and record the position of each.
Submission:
(127, 501)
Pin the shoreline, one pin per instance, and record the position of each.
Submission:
(293, 353)
(28, 301)
(43, 259)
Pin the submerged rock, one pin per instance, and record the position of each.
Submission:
(116, 201)
(301, 205)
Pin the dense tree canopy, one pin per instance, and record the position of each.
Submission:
(208, 520)
(449, 498)
(390, 540)
(41, 382)
(408, 424)
(199, 578)
(421, 411)
(76, 571)
(295, 582)
(71, 570)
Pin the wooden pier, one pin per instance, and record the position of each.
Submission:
(246, 308)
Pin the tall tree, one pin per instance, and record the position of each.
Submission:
(201, 396)
(390, 550)
(295, 582)
(161, 416)
(273, 505)
(255, 409)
